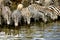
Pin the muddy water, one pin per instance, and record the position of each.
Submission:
(35, 31)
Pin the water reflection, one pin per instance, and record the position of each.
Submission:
(36, 31)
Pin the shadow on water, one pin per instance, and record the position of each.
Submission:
(34, 31)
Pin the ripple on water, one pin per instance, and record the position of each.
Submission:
(50, 31)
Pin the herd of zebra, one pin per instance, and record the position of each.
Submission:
(34, 11)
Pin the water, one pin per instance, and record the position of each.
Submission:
(35, 31)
